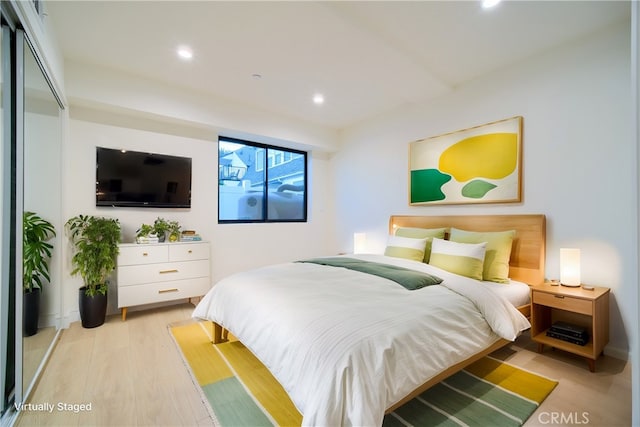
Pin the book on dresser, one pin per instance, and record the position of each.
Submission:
(190, 236)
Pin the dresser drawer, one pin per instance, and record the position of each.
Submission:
(161, 272)
(188, 251)
(563, 302)
(162, 291)
(143, 254)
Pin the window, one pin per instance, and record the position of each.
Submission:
(260, 183)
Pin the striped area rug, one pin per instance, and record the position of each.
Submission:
(242, 392)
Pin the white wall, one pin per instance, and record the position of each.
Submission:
(234, 247)
(579, 164)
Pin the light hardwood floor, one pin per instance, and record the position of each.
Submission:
(133, 375)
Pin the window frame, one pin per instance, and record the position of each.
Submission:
(265, 168)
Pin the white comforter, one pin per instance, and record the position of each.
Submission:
(347, 345)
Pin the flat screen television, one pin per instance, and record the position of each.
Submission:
(136, 179)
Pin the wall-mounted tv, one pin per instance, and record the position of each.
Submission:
(136, 179)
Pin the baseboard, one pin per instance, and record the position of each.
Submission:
(66, 321)
(74, 316)
(617, 353)
(47, 320)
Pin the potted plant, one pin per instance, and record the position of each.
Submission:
(160, 227)
(174, 231)
(164, 228)
(95, 242)
(36, 254)
(146, 234)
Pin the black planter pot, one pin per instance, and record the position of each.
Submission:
(93, 310)
(30, 312)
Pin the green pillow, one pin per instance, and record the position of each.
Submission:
(421, 233)
(498, 253)
(465, 259)
(405, 247)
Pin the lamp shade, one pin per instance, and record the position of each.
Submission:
(359, 243)
(570, 267)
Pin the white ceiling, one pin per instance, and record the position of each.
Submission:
(365, 57)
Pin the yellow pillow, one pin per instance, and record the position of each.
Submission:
(421, 233)
(405, 247)
(465, 259)
(498, 251)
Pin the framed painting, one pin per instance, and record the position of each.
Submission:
(482, 164)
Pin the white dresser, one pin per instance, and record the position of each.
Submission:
(157, 272)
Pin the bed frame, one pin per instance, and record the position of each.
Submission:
(526, 265)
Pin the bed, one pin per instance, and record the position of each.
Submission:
(526, 264)
(349, 347)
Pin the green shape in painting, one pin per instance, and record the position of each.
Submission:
(477, 188)
(426, 185)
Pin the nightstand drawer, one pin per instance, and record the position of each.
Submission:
(563, 302)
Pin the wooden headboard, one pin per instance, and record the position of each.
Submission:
(528, 250)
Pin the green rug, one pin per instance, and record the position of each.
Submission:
(242, 392)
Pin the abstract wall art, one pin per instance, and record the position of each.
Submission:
(481, 164)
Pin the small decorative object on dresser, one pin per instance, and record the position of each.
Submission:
(165, 229)
(190, 236)
(571, 319)
(162, 272)
(146, 234)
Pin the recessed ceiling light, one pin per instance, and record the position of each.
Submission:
(318, 98)
(486, 4)
(185, 52)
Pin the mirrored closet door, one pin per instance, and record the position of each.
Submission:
(7, 220)
(41, 196)
(30, 181)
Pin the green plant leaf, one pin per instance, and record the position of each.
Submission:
(36, 253)
(95, 241)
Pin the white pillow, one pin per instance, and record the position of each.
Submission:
(406, 247)
(465, 259)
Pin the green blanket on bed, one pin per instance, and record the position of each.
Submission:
(408, 278)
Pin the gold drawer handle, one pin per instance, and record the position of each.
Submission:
(164, 291)
(144, 254)
(189, 251)
(168, 271)
(559, 296)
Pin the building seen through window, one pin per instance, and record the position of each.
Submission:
(260, 183)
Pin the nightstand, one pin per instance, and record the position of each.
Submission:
(586, 308)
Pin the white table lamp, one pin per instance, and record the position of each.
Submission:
(359, 243)
(570, 267)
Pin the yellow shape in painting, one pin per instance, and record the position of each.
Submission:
(492, 156)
